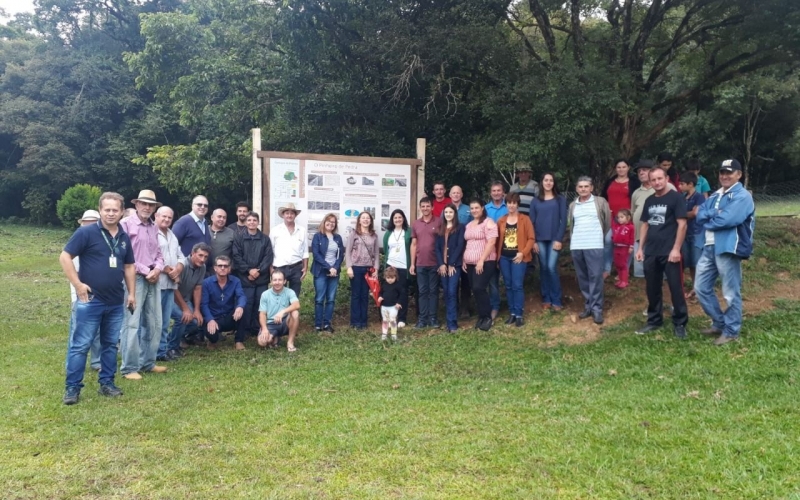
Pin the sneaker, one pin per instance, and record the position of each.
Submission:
(585, 314)
(598, 318)
(394, 338)
(511, 319)
(724, 339)
(647, 329)
(72, 395)
(109, 390)
(384, 338)
(401, 325)
(680, 331)
(711, 332)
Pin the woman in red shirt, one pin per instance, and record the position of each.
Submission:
(618, 191)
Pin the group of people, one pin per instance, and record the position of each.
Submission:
(132, 275)
(153, 287)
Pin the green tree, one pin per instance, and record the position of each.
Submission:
(75, 201)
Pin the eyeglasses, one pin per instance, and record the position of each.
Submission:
(201, 205)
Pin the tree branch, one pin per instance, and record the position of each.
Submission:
(531, 50)
(543, 19)
(577, 43)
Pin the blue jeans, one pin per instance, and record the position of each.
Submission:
(589, 271)
(728, 267)
(494, 290)
(428, 300)
(690, 253)
(513, 276)
(324, 299)
(95, 358)
(178, 328)
(359, 297)
(89, 318)
(548, 274)
(608, 252)
(140, 345)
(638, 265)
(450, 295)
(167, 304)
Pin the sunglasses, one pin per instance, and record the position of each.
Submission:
(201, 204)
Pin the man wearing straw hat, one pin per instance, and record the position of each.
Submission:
(139, 351)
(290, 247)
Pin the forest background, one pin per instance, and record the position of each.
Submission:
(162, 94)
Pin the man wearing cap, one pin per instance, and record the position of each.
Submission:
(192, 228)
(106, 259)
(169, 279)
(290, 247)
(727, 220)
(527, 188)
(639, 195)
(139, 349)
(89, 217)
(252, 260)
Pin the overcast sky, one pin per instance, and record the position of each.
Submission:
(15, 6)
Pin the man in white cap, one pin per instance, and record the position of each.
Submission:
(290, 247)
(727, 221)
(89, 217)
(139, 349)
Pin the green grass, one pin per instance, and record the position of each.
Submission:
(472, 415)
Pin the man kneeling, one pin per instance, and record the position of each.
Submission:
(278, 313)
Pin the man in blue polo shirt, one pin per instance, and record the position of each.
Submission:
(106, 258)
(495, 209)
(222, 302)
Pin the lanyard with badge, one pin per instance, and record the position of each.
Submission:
(112, 261)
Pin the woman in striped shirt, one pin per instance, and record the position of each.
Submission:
(480, 259)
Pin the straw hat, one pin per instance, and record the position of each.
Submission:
(147, 196)
(288, 206)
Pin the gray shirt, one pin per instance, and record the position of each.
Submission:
(190, 278)
(222, 242)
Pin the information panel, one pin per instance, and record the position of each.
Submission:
(337, 185)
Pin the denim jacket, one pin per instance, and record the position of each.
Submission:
(733, 222)
(319, 246)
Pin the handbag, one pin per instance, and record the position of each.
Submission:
(373, 283)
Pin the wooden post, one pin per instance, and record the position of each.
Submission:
(258, 171)
(420, 177)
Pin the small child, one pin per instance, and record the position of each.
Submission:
(689, 252)
(622, 237)
(389, 299)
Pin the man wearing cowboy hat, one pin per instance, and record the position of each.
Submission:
(527, 188)
(139, 351)
(89, 217)
(192, 228)
(290, 247)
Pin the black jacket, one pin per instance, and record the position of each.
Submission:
(252, 251)
(390, 293)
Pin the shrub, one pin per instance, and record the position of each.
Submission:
(75, 201)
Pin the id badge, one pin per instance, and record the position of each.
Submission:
(112, 261)
(396, 249)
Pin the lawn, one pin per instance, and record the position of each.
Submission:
(471, 415)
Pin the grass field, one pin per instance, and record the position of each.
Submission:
(473, 415)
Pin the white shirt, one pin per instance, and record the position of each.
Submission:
(171, 251)
(587, 232)
(397, 249)
(288, 248)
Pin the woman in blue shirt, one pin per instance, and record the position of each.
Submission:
(549, 216)
(328, 250)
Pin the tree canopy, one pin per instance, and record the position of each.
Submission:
(163, 93)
